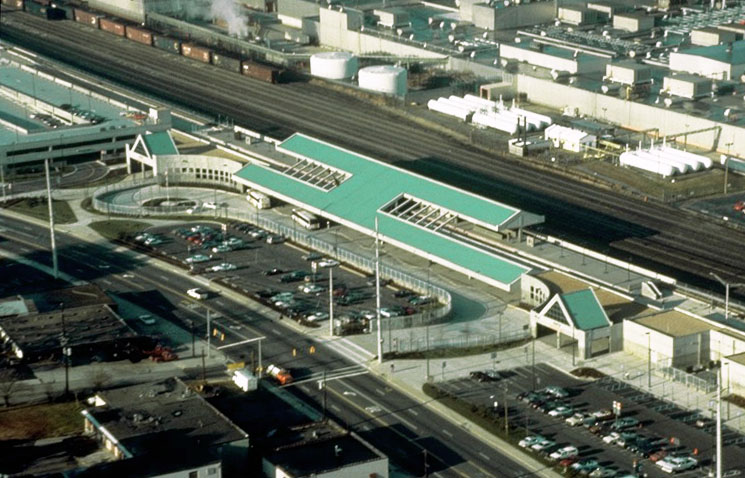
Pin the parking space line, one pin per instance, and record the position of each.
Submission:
(484, 456)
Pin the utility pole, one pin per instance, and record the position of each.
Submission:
(649, 360)
(193, 340)
(65, 350)
(533, 366)
(727, 286)
(331, 301)
(506, 414)
(377, 292)
(55, 267)
(719, 423)
(209, 334)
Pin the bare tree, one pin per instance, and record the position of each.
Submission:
(99, 378)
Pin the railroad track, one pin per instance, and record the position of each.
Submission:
(573, 207)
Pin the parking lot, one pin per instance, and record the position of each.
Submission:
(649, 429)
(283, 276)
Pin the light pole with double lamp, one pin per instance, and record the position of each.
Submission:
(727, 286)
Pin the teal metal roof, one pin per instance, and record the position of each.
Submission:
(586, 311)
(160, 143)
(372, 184)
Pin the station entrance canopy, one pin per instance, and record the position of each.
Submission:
(414, 213)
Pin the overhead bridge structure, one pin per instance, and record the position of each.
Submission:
(414, 213)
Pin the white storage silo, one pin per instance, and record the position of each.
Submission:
(384, 79)
(333, 65)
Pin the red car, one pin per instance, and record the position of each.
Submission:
(739, 206)
(566, 462)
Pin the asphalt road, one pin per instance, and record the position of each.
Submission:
(81, 175)
(399, 426)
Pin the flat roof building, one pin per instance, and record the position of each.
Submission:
(409, 211)
(719, 62)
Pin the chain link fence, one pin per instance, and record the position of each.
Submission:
(422, 344)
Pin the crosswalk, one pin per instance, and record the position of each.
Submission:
(348, 349)
(337, 374)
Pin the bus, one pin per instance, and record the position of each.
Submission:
(259, 200)
(306, 219)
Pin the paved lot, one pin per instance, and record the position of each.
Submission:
(256, 258)
(657, 418)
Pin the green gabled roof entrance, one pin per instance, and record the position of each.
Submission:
(160, 143)
(355, 190)
(585, 310)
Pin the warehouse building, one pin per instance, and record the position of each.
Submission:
(165, 418)
(322, 450)
(551, 57)
(93, 332)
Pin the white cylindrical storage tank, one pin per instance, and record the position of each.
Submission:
(333, 65)
(630, 158)
(388, 79)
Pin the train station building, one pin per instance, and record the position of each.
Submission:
(446, 225)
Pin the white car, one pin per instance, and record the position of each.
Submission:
(197, 293)
(565, 452)
(197, 258)
(543, 445)
(530, 440)
(324, 263)
(674, 464)
(611, 438)
(317, 317)
(575, 419)
(603, 472)
(210, 205)
(225, 266)
(312, 289)
(561, 411)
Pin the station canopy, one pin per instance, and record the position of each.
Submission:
(415, 213)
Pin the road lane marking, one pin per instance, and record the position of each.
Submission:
(335, 408)
(164, 278)
(413, 412)
(447, 433)
(483, 455)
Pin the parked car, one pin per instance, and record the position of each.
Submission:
(550, 405)
(196, 258)
(480, 376)
(400, 293)
(265, 293)
(624, 423)
(317, 316)
(146, 319)
(585, 465)
(272, 272)
(575, 419)
(312, 289)
(603, 472)
(543, 445)
(388, 312)
(530, 440)
(603, 414)
(564, 452)
(311, 256)
(293, 276)
(222, 248)
(197, 293)
(675, 464)
(225, 266)
(555, 391)
(275, 239)
(324, 263)
(421, 300)
(561, 411)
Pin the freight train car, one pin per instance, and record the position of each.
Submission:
(91, 19)
(166, 43)
(54, 13)
(260, 71)
(196, 52)
(226, 62)
(111, 26)
(35, 8)
(140, 35)
(68, 9)
(17, 4)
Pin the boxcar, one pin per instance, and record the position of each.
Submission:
(81, 16)
(111, 26)
(140, 35)
(54, 13)
(68, 9)
(226, 62)
(196, 52)
(260, 71)
(167, 43)
(17, 4)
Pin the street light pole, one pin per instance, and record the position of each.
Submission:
(533, 366)
(377, 292)
(331, 301)
(727, 286)
(719, 423)
(209, 334)
(649, 360)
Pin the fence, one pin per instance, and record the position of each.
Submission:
(687, 379)
(292, 233)
(421, 344)
(102, 195)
